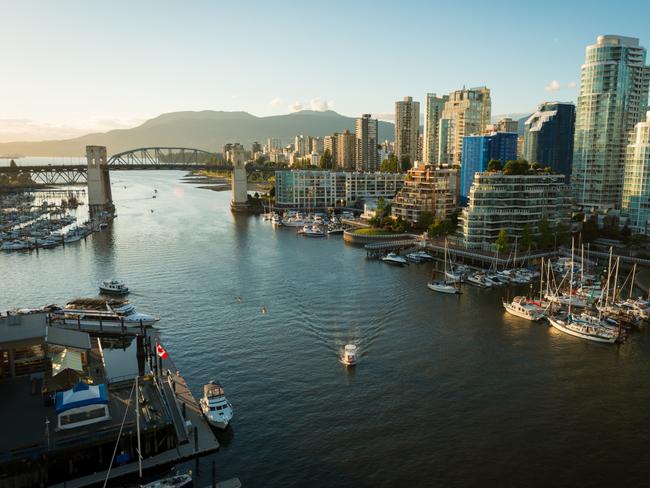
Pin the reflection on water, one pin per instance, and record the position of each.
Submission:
(447, 392)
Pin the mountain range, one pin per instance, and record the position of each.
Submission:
(208, 130)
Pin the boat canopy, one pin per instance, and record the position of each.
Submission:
(81, 395)
(213, 389)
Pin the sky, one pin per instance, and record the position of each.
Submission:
(70, 67)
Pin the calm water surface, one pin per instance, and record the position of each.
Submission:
(449, 391)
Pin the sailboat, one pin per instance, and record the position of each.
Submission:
(589, 328)
(448, 287)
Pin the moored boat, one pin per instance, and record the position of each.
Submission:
(395, 259)
(214, 405)
(521, 307)
(114, 287)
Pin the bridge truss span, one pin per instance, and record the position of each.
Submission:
(161, 158)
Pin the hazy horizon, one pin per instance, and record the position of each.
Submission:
(92, 67)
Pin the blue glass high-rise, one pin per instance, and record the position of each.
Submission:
(479, 150)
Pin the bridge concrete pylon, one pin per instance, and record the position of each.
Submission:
(239, 198)
(100, 198)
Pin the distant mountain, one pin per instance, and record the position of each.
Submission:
(208, 130)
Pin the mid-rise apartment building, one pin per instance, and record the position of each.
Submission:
(636, 186)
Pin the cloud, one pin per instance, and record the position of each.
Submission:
(571, 84)
(552, 86)
(319, 105)
(276, 102)
(296, 106)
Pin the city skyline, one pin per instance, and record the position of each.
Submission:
(90, 79)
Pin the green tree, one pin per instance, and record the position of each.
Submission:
(326, 160)
(426, 219)
(502, 243)
(12, 164)
(405, 163)
(516, 167)
(494, 165)
(545, 235)
(562, 232)
(526, 240)
(390, 165)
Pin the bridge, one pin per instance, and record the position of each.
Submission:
(96, 170)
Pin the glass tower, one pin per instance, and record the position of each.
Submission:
(548, 137)
(636, 188)
(613, 98)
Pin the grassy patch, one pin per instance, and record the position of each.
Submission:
(370, 231)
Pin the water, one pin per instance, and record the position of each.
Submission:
(448, 392)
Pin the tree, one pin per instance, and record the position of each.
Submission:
(405, 163)
(545, 235)
(390, 165)
(12, 164)
(426, 219)
(516, 167)
(526, 240)
(494, 165)
(502, 243)
(326, 160)
(562, 232)
(437, 228)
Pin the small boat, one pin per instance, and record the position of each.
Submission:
(454, 277)
(478, 279)
(496, 280)
(215, 406)
(103, 225)
(443, 287)
(276, 219)
(14, 245)
(424, 256)
(177, 481)
(114, 286)
(520, 307)
(413, 258)
(350, 355)
(46, 243)
(395, 259)
(312, 231)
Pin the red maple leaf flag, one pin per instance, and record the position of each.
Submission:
(161, 351)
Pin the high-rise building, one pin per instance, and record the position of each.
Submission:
(636, 186)
(366, 155)
(345, 150)
(407, 127)
(302, 145)
(613, 98)
(505, 124)
(433, 113)
(466, 112)
(273, 145)
(317, 145)
(427, 189)
(329, 144)
(548, 137)
(256, 147)
(499, 201)
(479, 150)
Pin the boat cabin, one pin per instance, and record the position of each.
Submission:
(81, 405)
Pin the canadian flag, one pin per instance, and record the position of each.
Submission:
(161, 351)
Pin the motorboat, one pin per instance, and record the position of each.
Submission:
(454, 277)
(424, 256)
(98, 312)
(350, 355)
(114, 287)
(443, 287)
(584, 329)
(395, 259)
(413, 258)
(214, 405)
(313, 231)
(276, 219)
(496, 280)
(478, 279)
(46, 243)
(521, 307)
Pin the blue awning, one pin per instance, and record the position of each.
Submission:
(81, 395)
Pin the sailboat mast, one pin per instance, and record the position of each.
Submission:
(632, 282)
(571, 280)
(618, 259)
(137, 425)
(609, 272)
(582, 263)
(541, 280)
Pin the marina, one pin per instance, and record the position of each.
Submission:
(464, 356)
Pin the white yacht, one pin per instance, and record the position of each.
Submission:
(396, 259)
(350, 355)
(443, 287)
(496, 280)
(276, 219)
(521, 307)
(216, 408)
(114, 287)
(313, 231)
(99, 313)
